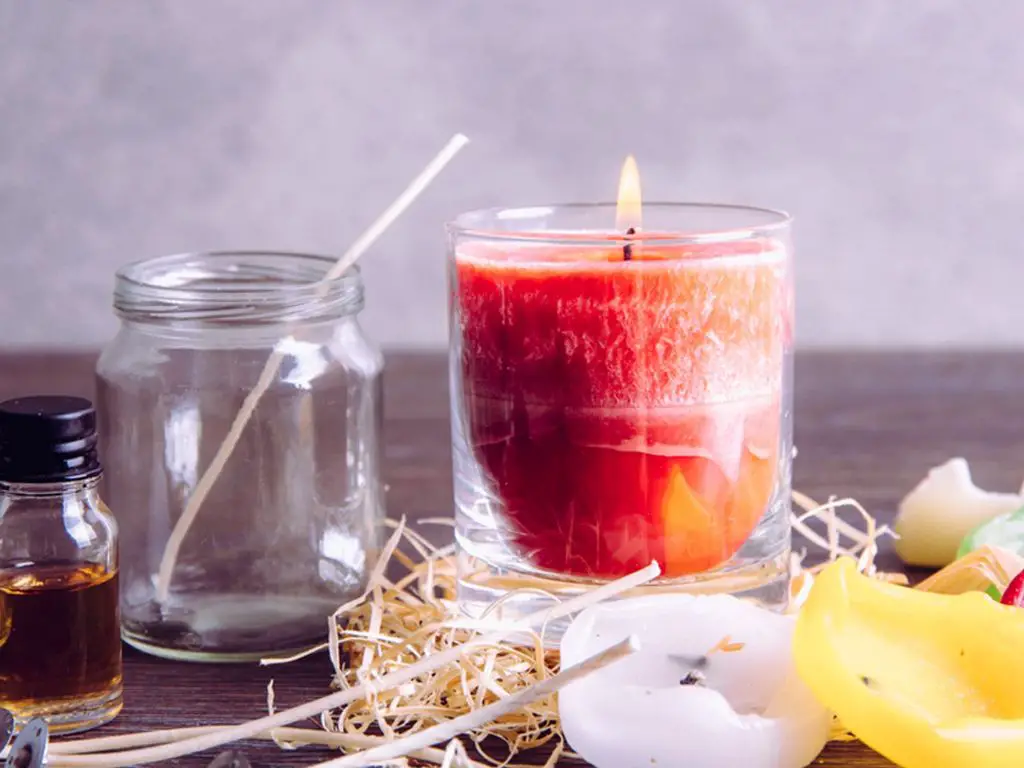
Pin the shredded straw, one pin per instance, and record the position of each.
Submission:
(412, 672)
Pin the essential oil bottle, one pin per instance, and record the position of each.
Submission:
(60, 645)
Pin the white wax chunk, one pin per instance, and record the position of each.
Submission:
(751, 710)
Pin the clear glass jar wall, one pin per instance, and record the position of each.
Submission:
(621, 397)
(289, 528)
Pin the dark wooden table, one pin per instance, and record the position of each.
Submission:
(868, 425)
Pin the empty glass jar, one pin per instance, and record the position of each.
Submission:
(240, 409)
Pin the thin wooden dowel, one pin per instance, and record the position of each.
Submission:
(269, 374)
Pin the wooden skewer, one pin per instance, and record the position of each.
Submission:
(300, 736)
(269, 374)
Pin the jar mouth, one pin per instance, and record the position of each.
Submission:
(237, 287)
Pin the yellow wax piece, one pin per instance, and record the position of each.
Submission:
(927, 680)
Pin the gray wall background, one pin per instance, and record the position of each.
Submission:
(893, 131)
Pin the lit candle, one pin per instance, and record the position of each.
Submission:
(713, 685)
(620, 392)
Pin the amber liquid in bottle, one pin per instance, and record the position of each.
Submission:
(59, 638)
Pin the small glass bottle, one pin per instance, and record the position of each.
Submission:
(60, 645)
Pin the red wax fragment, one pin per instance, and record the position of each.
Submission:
(1014, 594)
(624, 412)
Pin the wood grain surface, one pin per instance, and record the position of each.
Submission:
(868, 425)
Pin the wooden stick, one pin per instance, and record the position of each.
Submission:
(449, 730)
(391, 680)
(58, 751)
(269, 374)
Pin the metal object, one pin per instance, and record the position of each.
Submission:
(29, 747)
(232, 758)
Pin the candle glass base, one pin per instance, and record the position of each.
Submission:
(484, 591)
(620, 398)
(496, 583)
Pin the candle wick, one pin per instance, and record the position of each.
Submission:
(627, 249)
(693, 677)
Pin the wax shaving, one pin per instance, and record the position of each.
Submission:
(863, 542)
(838, 539)
(726, 645)
(986, 567)
(398, 623)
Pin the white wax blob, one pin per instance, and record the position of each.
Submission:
(941, 510)
(752, 710)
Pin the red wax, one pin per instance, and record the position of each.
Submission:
(625, 411)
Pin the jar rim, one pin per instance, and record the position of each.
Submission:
(239, 286)
(718, 223)
(133, 271)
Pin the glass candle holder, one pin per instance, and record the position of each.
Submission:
(620, 397)
(287, 527)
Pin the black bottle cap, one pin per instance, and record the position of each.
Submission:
(47, 439)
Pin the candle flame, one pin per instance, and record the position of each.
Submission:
(627, 209)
